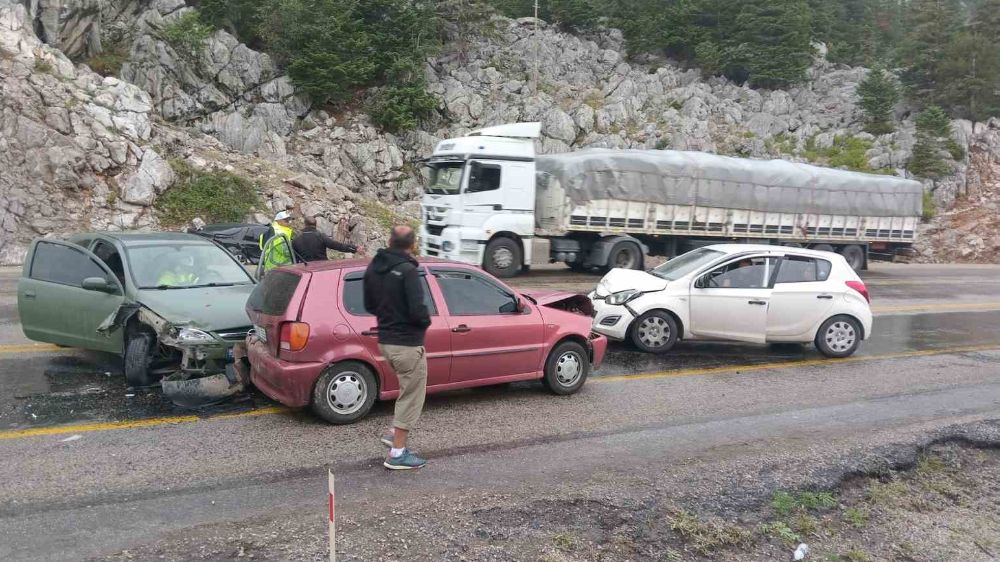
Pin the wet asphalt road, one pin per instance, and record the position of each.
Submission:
(932, 361)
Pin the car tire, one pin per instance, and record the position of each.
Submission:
(138, 356)
(566, 369)
(839, 337)
(823, 248)
(654, 332)
(503, 258)
(855, 256)
(625, 255)
(344, 393)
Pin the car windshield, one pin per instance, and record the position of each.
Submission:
(684, 264)
(184, 266)
(446, 178)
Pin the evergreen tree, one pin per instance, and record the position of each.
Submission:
(770, 46)
(934, 142)
(879, 95)
(932, 25)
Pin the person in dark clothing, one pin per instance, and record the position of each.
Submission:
(311, 244)
(394, 293)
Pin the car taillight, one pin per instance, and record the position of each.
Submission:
(294, 336)
(860, 287)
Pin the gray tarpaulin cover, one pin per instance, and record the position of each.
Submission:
(696, 178)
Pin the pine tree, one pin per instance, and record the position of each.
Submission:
(879, 95)
(969, 72)
(934, 142)
(932, 25)
(770, 45)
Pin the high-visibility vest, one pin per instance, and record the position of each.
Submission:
(174, 279)
(277, 250)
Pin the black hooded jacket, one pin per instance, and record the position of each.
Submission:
(394, 294)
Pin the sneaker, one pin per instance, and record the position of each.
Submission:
(407, 461)
(387, 440)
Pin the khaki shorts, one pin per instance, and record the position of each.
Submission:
(410, 365)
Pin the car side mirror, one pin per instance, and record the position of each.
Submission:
(522, 306)
(98, 284)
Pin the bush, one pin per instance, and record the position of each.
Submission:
(215, 196)
(397, 108)
(187, 34)
(930, 207)
(108, 63)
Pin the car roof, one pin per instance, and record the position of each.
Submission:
(151, 238)
(744, 248)
(328, 265)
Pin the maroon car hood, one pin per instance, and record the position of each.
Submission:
(563, 300)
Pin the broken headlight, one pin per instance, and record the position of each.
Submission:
(193, 336)
(622, 297)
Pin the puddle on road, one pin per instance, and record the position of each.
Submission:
(86, 387)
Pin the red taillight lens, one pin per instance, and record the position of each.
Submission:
(860, 287)
(294, 336)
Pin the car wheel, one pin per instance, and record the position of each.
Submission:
(503, 258)
(138, 356)
(625, 255)
(839, 337)
(855, 256)
(566, 369)
(822, 248)
(655, 332)
(344, 393)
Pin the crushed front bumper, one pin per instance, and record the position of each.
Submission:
(611, 320)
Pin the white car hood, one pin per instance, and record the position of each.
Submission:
(623, 279)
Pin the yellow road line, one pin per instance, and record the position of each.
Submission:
(791, 364)
(177, 420)
(30, 348)
(136, 424)
(958, 306)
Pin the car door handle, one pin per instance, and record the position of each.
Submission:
(824, 297)
(371, 332)
(758, 303)
(29, 294)
(461, 329)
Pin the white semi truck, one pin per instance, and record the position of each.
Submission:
(491, 201)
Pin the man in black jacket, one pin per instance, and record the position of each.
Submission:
(394, 293)
(311, 244)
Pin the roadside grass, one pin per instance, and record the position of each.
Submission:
(781, 531)
(784, 504)
(707, 537)
(564, 542)
(857, 517)
(214, 196)
(856, 555)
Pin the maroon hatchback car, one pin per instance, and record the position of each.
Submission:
(313, 343)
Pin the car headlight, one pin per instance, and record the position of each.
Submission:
(448, 245)
(194, 335)
(622, 297)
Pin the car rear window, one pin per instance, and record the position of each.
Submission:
(272, 295)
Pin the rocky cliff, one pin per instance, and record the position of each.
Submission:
(81, 151)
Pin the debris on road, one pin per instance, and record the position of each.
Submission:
(801, 552)
(197, 392)
(71, 438)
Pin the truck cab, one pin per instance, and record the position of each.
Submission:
(480, 198)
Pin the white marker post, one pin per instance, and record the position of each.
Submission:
(333, 523)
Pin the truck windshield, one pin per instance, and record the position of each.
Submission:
(446, 178)
(684, 264)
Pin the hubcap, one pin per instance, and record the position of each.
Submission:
(654, 332)
(503, 258)
(347, 393)
(840, 336)
(569, 367)
(624, 260)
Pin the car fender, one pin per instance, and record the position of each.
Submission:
(662, 300)
(845, 306)
(560, 325)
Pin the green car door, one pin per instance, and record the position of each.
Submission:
(64, 294)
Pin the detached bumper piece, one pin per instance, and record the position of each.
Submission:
(197, 391)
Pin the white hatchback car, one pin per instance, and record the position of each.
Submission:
(738, 292)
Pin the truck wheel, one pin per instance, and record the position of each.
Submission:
(822, 248)
(138, 357)
(344, 393)
(855, 256)
(625, 255)
(654, 332)
(503, 258)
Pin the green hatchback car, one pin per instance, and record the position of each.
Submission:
(166, 302)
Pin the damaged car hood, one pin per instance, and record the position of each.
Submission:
(208, 308)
